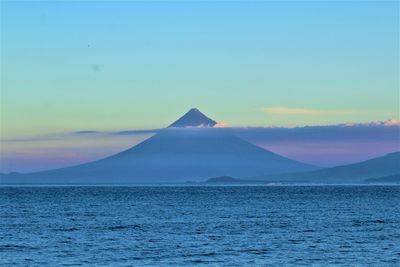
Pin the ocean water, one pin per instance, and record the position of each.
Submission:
(200, 225)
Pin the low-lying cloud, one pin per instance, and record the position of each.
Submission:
(319, 145)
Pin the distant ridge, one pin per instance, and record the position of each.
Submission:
(352, 173)
(193, 118)
(231, 180)
(391, 179)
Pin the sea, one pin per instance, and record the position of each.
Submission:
(184, 225)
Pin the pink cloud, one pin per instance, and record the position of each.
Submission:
(392, 122)
(221, 124)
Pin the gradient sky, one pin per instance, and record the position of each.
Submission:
(107, 65)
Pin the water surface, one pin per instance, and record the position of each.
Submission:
(200, 225)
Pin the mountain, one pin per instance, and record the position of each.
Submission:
(174, 155)
(193, 118)
(352, 173)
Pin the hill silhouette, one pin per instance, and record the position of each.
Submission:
(352, 173)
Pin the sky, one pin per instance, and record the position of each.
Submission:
(70, 66)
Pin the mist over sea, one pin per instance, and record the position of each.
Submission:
(200, 225)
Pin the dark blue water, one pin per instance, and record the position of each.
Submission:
(184, 226)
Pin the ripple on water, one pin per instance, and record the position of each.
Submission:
(183, 226)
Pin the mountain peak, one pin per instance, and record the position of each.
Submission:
(193, 118)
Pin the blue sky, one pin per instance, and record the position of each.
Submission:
(111, 64)
(115, 65)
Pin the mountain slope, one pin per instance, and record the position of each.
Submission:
(174, 155)
(352, 173)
